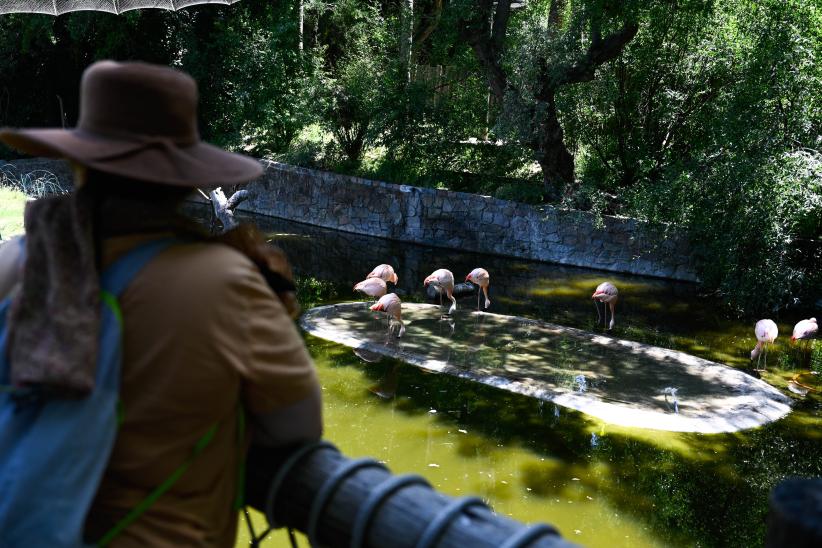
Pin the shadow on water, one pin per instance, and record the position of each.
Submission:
(531, 355)
(690, 489)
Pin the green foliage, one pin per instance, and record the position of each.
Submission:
(525, 192)
(710, 120)
(766, 254)
(356, 75)
(312, 292)
(251, 78)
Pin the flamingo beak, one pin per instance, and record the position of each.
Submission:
(468, 278)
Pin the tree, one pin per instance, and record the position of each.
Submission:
(356, 75)
(563, 48)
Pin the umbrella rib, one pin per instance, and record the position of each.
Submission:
(116, 7)
(54, 4)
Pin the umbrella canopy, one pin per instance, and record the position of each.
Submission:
(59, 7)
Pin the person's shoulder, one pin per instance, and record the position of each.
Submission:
(210, 259)
(211, 251)
(213, 266)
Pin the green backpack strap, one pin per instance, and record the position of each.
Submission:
(199, 447)
(161, 489)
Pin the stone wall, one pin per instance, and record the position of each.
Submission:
(469, 222)
(456, 220)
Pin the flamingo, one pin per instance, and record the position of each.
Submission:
(480, 277)
(766, 333)
(385, 272)
(443, 281)
(373, 287)
(606, 293)
(805, 330)
(392, 306)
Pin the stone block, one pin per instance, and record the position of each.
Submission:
(501, 219)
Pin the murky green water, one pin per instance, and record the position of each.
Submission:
(601, 485)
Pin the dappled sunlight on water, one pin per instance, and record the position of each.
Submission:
(623, 382)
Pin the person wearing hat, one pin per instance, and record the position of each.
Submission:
(208, 332)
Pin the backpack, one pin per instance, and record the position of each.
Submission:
(53, 452)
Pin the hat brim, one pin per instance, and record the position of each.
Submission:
(153, 160)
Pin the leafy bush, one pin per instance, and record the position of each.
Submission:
(526, 192)
(758, 227)
(312, 292)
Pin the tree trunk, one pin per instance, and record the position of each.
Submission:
(406, 37)
(302, 23)
(553, 156)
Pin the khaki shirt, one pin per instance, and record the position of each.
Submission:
(202, 332)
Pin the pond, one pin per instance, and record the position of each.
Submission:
(601, 485)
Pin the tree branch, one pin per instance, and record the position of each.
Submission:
(601, 51)
(488, 42)
(433, 21)
(224, 207)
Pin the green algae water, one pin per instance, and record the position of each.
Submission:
(601, 485)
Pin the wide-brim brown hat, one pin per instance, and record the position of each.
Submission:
(138, 120)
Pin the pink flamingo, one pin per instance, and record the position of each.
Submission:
(766, 333)
(392, 306)
(443, 281)
(606, 293)
(480, 277)
(373, 287)
(805, 330)
(385, 272)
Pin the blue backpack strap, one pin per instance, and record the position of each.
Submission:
(66, 440)
(116, 277)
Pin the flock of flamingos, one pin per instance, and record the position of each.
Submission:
(442, 280)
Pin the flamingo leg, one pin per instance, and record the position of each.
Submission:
(596, 305)
(612, 306)
(478, 300)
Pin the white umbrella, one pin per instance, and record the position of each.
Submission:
(59, 7)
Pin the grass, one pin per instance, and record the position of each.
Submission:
(12, 205)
